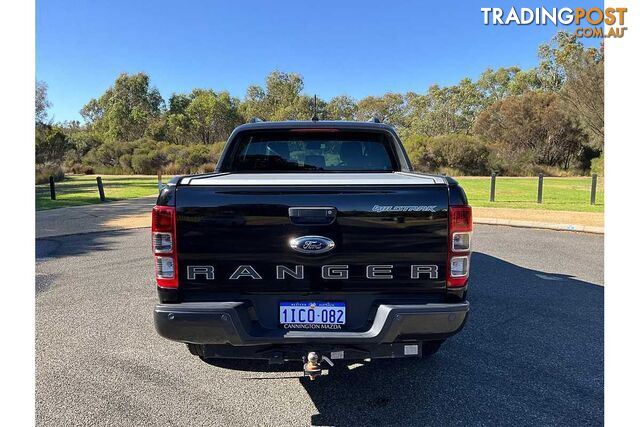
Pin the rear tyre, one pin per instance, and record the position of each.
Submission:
(429, 348)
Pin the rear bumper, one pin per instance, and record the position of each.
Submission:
(229, 323)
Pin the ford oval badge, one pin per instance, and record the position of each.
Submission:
(311, 244)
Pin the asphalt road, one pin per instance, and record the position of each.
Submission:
(531, 354)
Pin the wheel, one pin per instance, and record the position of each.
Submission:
(429, 348)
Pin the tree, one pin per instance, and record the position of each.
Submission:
(283, 90)
(125, 110)
(281, 99)
(577, 74)
(84, 141)
(341, 108)
(552, 114)
(254, 104)
(495, 85)
(178, 128)
(534, 122)
(51, 144)
(390, 108)
(212, 116)
(558, 57)
(304, 106)
(178, 103)
(42, 102)
(444, 110)
(583, 94)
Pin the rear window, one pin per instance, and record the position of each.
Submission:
(312, 151)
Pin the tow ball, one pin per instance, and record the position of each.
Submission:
(312, 367)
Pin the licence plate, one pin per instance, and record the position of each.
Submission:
(312, 313)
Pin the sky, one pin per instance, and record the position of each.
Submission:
(349, 47)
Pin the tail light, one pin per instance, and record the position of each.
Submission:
(163, 241)
(460, 231)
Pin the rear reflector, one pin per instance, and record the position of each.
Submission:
(163, 241)
(460, 232)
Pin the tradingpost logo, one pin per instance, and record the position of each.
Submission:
(594, 22)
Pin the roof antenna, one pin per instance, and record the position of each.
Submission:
(315, 109)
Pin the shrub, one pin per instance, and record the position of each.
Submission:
(148, 163)
(193, 158)
(84, 141)
(146, 156)
(79, 168)
(464, 154)
(172, 169)
(43, 172)
(533, 122)
(583, 161)
(51, 144)
(108, 170)
(173, 152)
(108, 154)
(125, 163)
(505, 161)
(597, 165)
(216, 151)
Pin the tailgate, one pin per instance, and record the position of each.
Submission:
(239, 238)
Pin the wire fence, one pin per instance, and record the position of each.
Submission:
(539, 196)
(553, 193)
(582, 193)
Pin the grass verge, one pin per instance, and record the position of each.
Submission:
(78, 190)
(558, 194)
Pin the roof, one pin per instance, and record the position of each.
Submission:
(310, 124)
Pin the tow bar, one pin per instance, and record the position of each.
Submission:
(312, 367)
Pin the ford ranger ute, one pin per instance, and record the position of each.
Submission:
(311, 241)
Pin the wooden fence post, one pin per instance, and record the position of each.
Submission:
(594, 184)
(492, 194)
(52, 187)
(159, 181)
(540, 178)
(100, 189)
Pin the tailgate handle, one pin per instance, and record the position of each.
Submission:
(312, 215)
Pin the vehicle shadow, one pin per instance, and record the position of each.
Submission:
(78, 244)
(99, 217)
(531, 353)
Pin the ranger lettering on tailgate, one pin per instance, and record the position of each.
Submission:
(328, 272)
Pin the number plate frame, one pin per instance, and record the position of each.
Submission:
(325, 314)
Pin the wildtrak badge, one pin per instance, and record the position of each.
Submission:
(417, 208)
